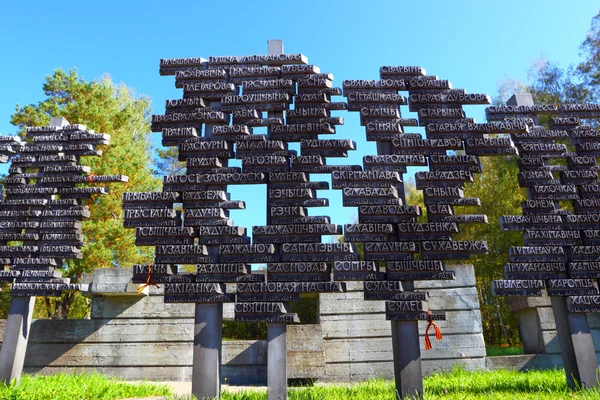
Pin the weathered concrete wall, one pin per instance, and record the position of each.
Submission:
(357, 338)
(139, 337)
(537, 328)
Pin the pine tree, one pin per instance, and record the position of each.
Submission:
(167, 162)
(107, 108)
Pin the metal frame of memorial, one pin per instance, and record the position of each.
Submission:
(41, 215)
(561, 252)
(290, 244)
(225, 99)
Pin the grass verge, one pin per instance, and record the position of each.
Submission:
(458, 384)
(493, 351)
(78, 387)
(454, 385)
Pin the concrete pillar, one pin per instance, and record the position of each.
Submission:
(576, 344)
(406, 351)
(530, 331)
(277, 361)
(407, 360)
(18, 323)
(530, 326)
(208, 328)
(206, 367)
(276, 332)
(583, 347)
(405, 334)
(16, 335)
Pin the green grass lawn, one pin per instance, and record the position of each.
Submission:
(77, 387)
(458, 384)
(492, 351)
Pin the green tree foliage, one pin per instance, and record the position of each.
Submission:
(550, 83)
(589, 69)
(167, 162)
(497, 188)
(414, 197)
(113, 109)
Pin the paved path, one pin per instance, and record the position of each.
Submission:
(183, 389)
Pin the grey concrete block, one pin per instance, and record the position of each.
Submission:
(458, 322)
(518, 303)
(351, 286)
(470, 364)
(352, 372)
(146, 307)
(348, 303)
(546, 317)
(465, 276)
(464, 298)
(244, 352)
(524, 362)
(354, 325)
(244, 362)
(594, 320)
(138, 354)
(520, 99)
(113, 281)
(380, 349)
(530, 332)
(304, 337)
(139, 338)
(305, 352)
(305, 365)
(375, 325)
(551, 342)
(240, 375)
(138, 307)
(112, 331)
(228, 311)
(107, 354)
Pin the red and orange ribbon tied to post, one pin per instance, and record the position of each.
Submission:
(438, 333)
(91, 178)
(148, 283)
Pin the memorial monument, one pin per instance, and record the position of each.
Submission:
(387, 226)
(289, 244)
(214, 123)
(201, 257)
(41, 214)
(561, 250)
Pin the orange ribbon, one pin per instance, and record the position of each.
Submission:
(438, 333)
(148, 283)
(91, 178)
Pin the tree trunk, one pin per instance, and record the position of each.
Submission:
(62, 307)
(48, 307)
(502, 326)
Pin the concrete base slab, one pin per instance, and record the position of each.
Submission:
(16, 336)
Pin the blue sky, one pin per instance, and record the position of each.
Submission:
(472, 43)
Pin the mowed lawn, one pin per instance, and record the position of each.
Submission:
(458, 384)
(78, 387)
